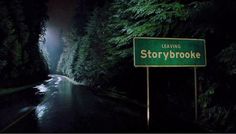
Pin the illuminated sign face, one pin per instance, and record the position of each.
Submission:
(169, 52)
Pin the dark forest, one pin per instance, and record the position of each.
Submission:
(96, 53)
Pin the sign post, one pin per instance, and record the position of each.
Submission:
(195, 94)
(148, 100)
(169, 52)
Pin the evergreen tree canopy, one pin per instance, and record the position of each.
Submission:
(99, 50)
(21, 26)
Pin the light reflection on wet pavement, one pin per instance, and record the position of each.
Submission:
(59, 106)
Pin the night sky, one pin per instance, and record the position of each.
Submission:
(60, 13)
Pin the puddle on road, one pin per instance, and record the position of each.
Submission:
(58, 81)
(49, 80)
(42, 88)
(40, 111)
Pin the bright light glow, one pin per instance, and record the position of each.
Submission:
(51, 36)
(53, 45)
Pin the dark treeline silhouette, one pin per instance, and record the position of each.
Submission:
(98, 52)
(21, 28)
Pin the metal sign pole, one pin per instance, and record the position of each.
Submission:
(148, 99)
(195, 94)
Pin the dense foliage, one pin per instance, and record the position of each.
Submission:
(21, 26)
(98, 50)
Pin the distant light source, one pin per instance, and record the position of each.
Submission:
(52, 46)
(51, 36)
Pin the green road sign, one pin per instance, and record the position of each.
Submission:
(169, 52)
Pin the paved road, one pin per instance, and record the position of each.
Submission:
(58, 105)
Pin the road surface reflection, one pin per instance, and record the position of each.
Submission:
(58, 105)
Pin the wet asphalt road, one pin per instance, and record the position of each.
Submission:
(57, 105)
